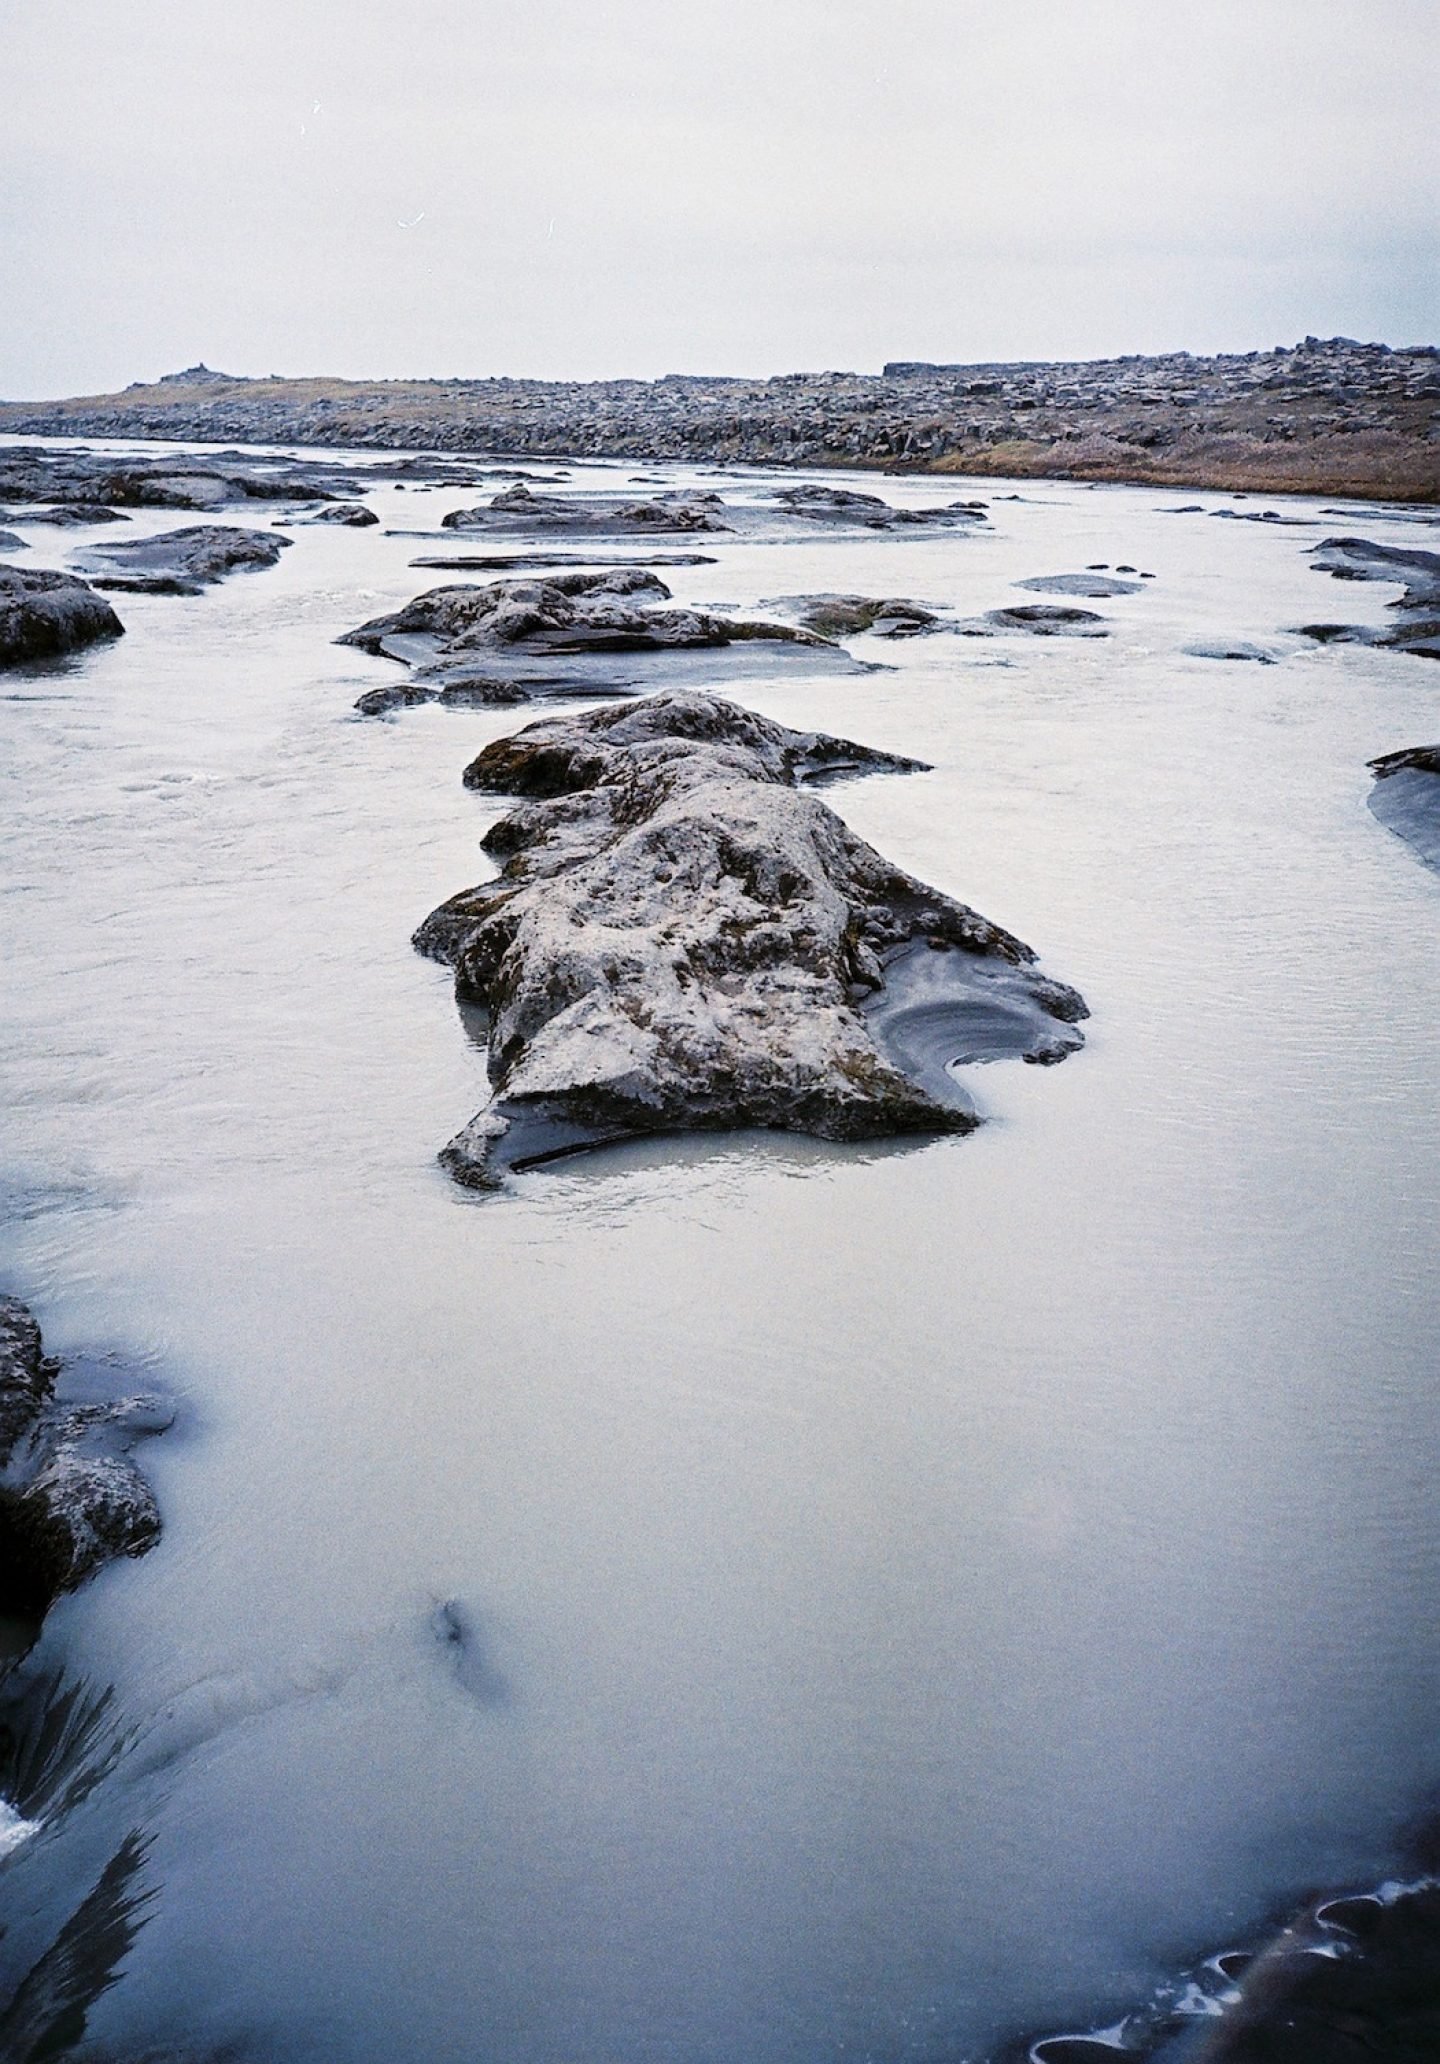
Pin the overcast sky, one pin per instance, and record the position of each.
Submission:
(586, 188)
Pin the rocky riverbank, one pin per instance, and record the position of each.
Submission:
(1326, 416)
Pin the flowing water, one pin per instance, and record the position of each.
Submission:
(740, 1600)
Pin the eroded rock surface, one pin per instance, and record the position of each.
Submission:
(682, 937)
(354, 515)
(598, 633)
(181, 562)
(1091, 586)
(44, 614)
(1406, 798)
(70, 1498)
(1417, 608)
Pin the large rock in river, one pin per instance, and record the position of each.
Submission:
(517, 509)
(44, 614)
(181, 562)
(682, 937)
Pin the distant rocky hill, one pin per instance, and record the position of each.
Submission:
(1328, 416)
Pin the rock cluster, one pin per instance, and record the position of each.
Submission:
(1325, 416)
(44, 614)
(70, 1498)
(682, 937)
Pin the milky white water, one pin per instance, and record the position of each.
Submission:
(911, 1593)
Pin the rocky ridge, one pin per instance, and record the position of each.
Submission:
(1328, 416)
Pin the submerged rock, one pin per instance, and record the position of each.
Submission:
(1229, 648)
(844, 616)
(1406, 798)
(1039, 619)
(570, 634)
(70, 1499)
(181, 562)
(71, 515)
(1095, 585)
(10, 541)
(615, 516)
(43, 614)
(681, 937)
(1417, 608)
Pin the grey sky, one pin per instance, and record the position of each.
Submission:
(594, 187)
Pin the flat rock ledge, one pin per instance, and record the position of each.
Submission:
(181, 562)
(596, 633)
(1406, 798)
(45, 614)
(70, 1498)
(1416, 626)
(682, 938)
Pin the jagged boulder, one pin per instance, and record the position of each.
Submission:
(682, 937)
(44, 614)
(1406, 798)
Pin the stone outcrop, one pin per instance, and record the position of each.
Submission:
(682, 937)
(70, 1498)
(847, 616)
(1416, 610)
(596, 633)
(1035, 620)
(1406, 798)
(83, 480)
(1326, 416)
(44, 614)
(181, 562)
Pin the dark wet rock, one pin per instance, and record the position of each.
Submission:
(1406, 798)
(1417, 609)
(1229, 648)
(845, 616)
(1095, 584)
(181, 562)
(611, 516)
(1365, 1986)
(354, 515)
(681, 937)
(44, 614)
(70, 515)
(848, 507)
(214, 480)
(596, 633)
(70, 1498)
(11, 542)
(1038, 619)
